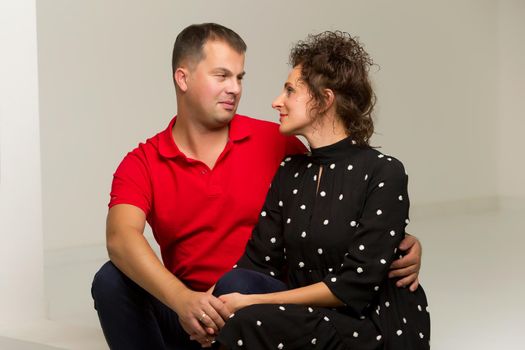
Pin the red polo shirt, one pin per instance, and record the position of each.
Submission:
(203, 218)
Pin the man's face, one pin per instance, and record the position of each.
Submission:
(214, 85)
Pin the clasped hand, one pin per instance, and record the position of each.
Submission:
(202, 315)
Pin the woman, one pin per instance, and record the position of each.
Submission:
(318, 258)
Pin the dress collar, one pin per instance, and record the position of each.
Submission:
(333, 152)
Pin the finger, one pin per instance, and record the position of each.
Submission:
(212, 318)
(205, 342)
(196, 328)
(221, 308)
(406, 281)
(210, 291)
(406, 261)
(208, 324)
(404, 272)
(407, 242)
(414, 285)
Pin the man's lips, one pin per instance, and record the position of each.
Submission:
(281, 116)
(228, 104)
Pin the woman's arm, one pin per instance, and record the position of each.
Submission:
(374, 245)
(264, 251)
(316, 294)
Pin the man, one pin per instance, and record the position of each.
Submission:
(200, 184)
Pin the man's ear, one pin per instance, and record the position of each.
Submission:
(180, 78)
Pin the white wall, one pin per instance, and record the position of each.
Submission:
(21, 247)
(511, 113)
(105, 85)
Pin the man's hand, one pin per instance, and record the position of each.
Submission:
(201, 315)
(407, 268)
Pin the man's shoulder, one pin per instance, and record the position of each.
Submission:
(158, 144)
(256, 123)
(150, 145)
(266, 133)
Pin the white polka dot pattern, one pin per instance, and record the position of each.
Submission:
(305, 224)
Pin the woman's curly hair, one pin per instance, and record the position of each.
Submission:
(337, 61)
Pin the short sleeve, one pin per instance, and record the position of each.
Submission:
(380, 229)
(265, 249)
(132, 183)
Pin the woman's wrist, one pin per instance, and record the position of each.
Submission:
(262, 299)
(252, 299)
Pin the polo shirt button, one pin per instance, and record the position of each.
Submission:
(203, 172)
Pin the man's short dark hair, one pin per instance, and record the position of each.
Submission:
(190, 42)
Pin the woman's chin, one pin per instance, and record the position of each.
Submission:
(285, 130)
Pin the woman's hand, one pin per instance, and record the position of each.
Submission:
(236, 301)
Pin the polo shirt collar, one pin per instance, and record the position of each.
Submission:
(238, 131)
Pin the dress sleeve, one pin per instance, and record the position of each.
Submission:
(265, 249)
(380, 229)
(132, 182)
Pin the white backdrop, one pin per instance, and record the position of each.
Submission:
(451, 92)
(105, 85)
(21, 245)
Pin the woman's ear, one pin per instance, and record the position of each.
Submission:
(329, 98)
(180, 78)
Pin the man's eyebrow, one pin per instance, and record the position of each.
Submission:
(221, 70)
(227, 71)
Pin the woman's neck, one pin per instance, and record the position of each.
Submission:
(328, 131)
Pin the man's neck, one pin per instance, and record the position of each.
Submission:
(198, 142)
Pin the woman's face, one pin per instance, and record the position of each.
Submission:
(293, 105)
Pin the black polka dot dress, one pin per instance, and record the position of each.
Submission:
(335, 216)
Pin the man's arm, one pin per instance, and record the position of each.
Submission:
(407, 268)
(130, 252)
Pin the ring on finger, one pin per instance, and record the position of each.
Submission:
(203, 316)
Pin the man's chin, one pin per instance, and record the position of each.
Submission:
(223, 119)
(226, 116)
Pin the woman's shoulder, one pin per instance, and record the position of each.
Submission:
(382, 163)
(293, 162)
